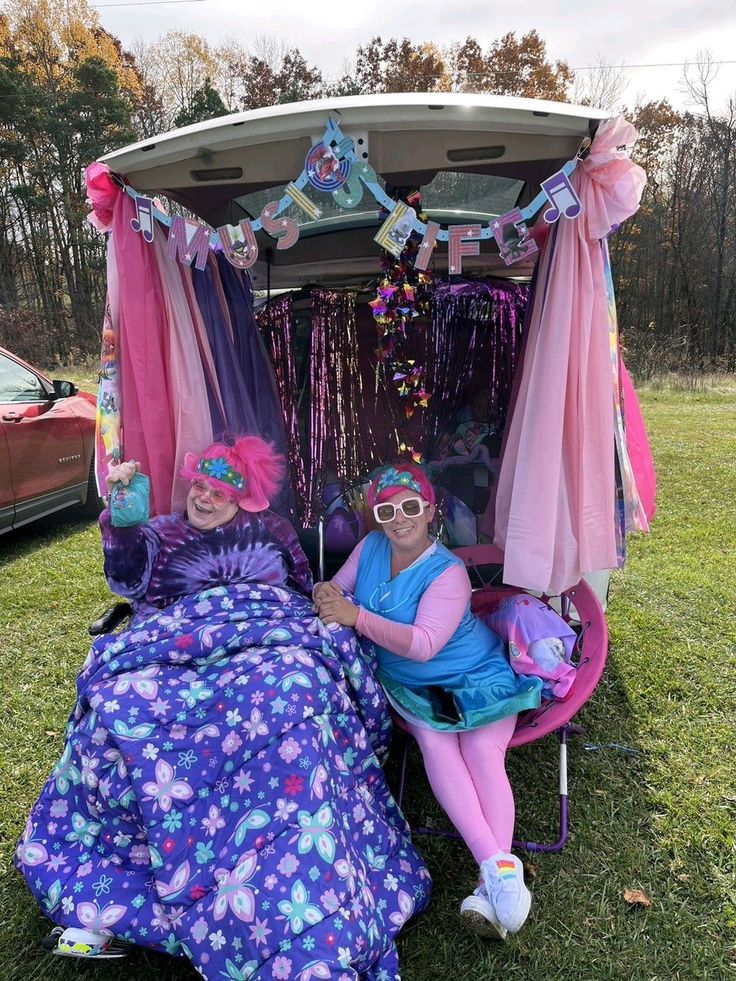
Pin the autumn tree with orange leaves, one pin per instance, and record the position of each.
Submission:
(69, 93)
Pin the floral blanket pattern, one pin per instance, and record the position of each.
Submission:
(219, 796)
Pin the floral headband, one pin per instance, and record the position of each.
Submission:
(220, 469)
(395, 478)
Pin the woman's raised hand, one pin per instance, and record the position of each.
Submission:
(123, 472)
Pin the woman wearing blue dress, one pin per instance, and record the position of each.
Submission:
(446, 675)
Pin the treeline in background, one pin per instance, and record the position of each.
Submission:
(70, 93)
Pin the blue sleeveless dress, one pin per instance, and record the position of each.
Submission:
(469, 682)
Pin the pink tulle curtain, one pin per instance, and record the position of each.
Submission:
(555, 499)
(148, 433)
(159, 378)
(191, 425)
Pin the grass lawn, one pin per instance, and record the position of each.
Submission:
(660, 819)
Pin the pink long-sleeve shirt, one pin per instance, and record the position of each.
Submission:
(439, 613)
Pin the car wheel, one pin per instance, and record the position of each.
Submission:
(94, 503)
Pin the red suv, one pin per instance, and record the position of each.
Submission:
(47, 442)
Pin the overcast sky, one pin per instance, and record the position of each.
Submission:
(627, 32)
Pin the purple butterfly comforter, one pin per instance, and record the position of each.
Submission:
(219, 796)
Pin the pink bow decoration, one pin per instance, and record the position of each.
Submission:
(614, 185)
(102, 193)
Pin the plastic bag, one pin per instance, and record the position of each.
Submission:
(130, 505)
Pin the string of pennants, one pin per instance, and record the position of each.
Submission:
(331, 167)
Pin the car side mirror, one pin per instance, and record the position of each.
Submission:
(64, 389)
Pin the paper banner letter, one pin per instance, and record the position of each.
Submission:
(188, 240)
(301, 200)
(396, 229)
(511, 233)
(284, 230)
(462, 240)
(562, 197)
(351, 193)
(239, 244)
(424, 253)
(143, 221)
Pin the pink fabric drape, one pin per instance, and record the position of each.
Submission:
(190, 417)
(102, 193)
(637, 441)
(160, 350)
(203, 344)
(555, 498)
(148, 434)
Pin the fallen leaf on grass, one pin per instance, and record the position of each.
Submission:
(530, 869)
(637, 897)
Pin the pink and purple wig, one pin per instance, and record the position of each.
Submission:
(251, 470)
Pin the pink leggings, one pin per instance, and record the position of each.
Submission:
(467, 774)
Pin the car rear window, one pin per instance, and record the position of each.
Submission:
(450, 197)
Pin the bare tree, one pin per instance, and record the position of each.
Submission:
(602, 85)
(721, 193)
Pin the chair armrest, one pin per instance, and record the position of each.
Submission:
(111, 618)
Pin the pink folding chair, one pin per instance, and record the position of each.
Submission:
(579, 606)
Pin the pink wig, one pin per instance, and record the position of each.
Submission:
(251, 458)
(400, 477)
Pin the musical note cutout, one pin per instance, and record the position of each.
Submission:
(562, 197)
(143, 221)
(510, 232)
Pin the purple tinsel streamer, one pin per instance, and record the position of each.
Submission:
(475, 335)
(340, 438)
(473, 341)
(277, 324)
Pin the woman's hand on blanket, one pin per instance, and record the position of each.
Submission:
(321, 590)
(123, 472)
(333, 607)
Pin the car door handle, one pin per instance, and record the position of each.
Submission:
(12, 417)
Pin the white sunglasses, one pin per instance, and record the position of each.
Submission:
(412, 507)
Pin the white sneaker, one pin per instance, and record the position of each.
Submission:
(503, 877)
(76, 942)
(478, 915)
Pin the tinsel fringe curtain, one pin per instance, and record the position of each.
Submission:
(473, 341)
(475, 336)
(277, 325)
(341, 440)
